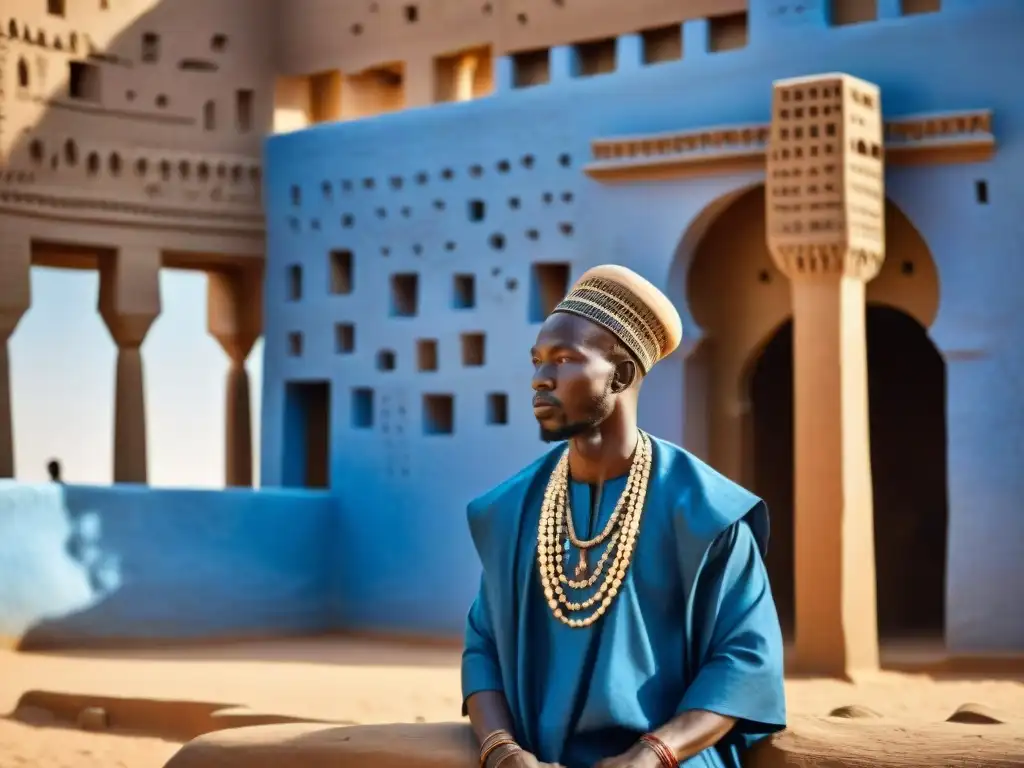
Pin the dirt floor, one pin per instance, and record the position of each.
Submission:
(362, 682)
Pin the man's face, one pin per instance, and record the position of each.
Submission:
(572, 377)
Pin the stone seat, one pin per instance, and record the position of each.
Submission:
(809, 743)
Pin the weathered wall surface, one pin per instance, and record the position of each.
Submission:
(405, 253)
(82, 565)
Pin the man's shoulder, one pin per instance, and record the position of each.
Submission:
(685, 468)
(708, 501)
(513, 487)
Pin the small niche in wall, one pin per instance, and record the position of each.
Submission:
(243, 109)
(465, 75)
(497, 408)
(197, 65)
(727, 33)
(386, 360)
(473, 349)
(463, 291)
(843, 12)
(405, 290)
(662, 44)
(341, 271)
(477, 210)
(530, 68)
(412, 13)
(914, 7)
(294, 282)
(55, 7)
(83, 81)
(295, 193)
(549, 282)
(324, 94)
(981, 192)
(596, 57)
(362, 408)
(344, 338)
(373, 91)
(426, 355)
(295, 344)
(218, 43)
(150, 47)
(438, 414)
(209, 116)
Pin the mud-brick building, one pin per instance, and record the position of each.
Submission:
(840, 256)
(827, 189)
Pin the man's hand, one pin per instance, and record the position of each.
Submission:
(638, 756)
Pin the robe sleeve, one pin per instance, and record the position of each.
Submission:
(480, 667)
(738, 640)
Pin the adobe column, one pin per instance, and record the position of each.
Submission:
(825, 207)
(235, 319)
(129, 303)
(15, 299)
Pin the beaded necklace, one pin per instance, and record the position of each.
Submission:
(620, 534)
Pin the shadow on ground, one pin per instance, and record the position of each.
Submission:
(170, 720)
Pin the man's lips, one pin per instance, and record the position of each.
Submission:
(542, 407)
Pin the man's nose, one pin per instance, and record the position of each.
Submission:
(542, 380)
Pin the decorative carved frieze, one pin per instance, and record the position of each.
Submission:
(62, 178)
(68, 206)
(948, 137)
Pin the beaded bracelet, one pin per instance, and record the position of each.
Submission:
(665, 755)
(493, 741)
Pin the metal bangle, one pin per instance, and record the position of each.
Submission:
(493, 746)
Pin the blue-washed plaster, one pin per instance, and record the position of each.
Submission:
(91, 564)
(405, 560)
(387, 548)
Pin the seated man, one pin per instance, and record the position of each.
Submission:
(624, 617)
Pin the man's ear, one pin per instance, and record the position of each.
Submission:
(624, 376)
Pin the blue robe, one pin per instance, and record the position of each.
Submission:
(694, 625)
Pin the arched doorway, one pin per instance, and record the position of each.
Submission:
(744, 362)
(771, 400)
(906, 395)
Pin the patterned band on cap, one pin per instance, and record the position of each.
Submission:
(615, 307)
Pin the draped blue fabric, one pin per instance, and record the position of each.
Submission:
(694, 625)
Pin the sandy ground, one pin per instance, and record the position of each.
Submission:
(361, 682)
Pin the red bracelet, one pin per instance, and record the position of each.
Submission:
(665, 755)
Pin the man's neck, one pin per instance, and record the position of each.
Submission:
(605, 452)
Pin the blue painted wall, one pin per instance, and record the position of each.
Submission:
(398, 191)
(92, 564)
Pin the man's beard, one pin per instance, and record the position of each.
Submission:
(599, 410)
(568, 431)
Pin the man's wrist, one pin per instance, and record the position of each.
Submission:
(496, 745)
(502, 754)
(666, 757)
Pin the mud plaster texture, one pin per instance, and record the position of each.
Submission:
(348, 682)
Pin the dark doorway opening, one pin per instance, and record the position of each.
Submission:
(307, 443)
(907, 400)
